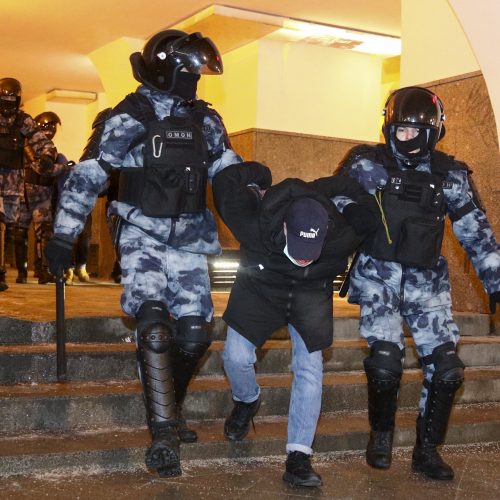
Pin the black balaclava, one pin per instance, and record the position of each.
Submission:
(184, 85)
(420, 143)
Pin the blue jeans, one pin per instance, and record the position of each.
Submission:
(305, 400)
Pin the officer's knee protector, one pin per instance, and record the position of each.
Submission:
(384, 364)
(193, 338)
(448, 367)
(154, 332)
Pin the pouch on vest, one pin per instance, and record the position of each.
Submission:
(413, 206)
(174, 178)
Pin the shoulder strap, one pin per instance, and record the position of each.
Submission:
(138, 106)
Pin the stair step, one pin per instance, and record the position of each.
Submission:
(123, 448)
(16, 330)
(86, 405)
(36, 363)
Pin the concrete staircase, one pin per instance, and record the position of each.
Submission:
(96, 420)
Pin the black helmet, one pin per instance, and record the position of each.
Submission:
(414, 107)
(10, 96)
(169, 51)
(48, 121)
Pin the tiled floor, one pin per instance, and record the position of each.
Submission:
(99, 298)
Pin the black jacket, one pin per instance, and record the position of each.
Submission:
(258, 224)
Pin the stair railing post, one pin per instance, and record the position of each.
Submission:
(60, 329)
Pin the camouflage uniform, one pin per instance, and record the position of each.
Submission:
(37, 199)
(11, 180)
(162, 258)
(389, 292)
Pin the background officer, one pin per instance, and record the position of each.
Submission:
(36, 206)
(400, 274)
(166, 144)
(17, 131)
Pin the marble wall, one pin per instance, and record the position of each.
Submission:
(471, 136)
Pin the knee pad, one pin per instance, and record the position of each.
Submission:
(192, 338)
(384, 364)
(448, 367)
(154, 332)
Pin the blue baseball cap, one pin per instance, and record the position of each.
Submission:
(306, 224)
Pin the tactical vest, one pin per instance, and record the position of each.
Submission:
(11, 146)
(412, 208)
(173, 180)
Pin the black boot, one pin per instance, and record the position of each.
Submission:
(379, 449)
(45, 276)
(383, 369)
(189, 347)
(154, 340)
(164, 454)
(237, 425)
(299, 471)
(427, 460)
(21, 251)
(3, 283)
(431, 426)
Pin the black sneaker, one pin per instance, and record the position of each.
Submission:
(163, 455)
(428, 461)
(3, 282)
(379, 449)
(299, 471)
(237, 424)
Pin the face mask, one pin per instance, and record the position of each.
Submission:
(8, 108)
(185, 85)
(417, 144)
(285, 251)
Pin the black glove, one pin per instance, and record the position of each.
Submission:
(46, 163)
(59, 255)
(494, 300)
(360, 218)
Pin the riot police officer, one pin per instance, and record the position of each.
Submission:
(37, 203)
(400, 274)
(166, 145)
(18, 131)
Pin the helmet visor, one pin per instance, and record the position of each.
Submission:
(49, 129)
(414, 108)
(9, 105)
(198, 55)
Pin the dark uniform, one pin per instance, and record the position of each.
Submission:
(36, 206)
(272, 291)
(166, 145)
(401, 276)
(18, 131)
